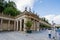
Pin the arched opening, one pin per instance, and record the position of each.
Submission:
(22, 28)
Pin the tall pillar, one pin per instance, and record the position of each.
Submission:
(37, 26)
(1, 24)
(34, 25)
(9, 25)
(20, 24)
(17, 25)
(24, 24)
(14, 25)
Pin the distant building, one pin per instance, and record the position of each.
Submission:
(17, 23)
(57, 25)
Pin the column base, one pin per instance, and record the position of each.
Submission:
(37, 29)
(25, 30)
(8, 29)
(1, 30)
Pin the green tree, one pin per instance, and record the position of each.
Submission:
(28, 25)
(44, 26)
(11, 11)
(1, 5)
(11, 4)
(8, 8)
(45, 20)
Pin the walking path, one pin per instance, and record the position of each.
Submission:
(43, 35)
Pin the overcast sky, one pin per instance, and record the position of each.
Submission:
(50, 9)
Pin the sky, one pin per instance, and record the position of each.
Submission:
(50, 9)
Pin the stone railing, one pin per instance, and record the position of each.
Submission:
(4, 15)
(44, 23)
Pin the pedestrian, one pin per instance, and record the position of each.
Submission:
(49, 33)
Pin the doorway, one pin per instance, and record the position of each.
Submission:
(22, 28)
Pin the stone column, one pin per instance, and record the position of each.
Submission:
(14, 25)
(24, 24)
(33, 25)
(17, 25)
(9, 25)
(20, 24)
(1, 24)
(37, 26)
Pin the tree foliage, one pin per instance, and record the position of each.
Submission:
(1, 5)
(44, 26)
(45, 20)
(11, 4)
(11, 11)
(29, 24)
(8, 8)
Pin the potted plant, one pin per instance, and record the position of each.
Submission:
(28, 26)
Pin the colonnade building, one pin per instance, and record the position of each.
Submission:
(17, 23)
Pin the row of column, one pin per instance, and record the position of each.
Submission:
(14, 27)
(24, 26)
(8, 26)
(20, 25)
(35, 25)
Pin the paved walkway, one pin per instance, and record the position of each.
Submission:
(24, 36)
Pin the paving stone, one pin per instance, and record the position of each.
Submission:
(24, 36)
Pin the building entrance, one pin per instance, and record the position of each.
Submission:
(22, 28)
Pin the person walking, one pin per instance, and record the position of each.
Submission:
(49, 33)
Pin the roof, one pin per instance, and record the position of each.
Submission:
(27, 13)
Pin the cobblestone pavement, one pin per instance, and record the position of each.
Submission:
(43, 35)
